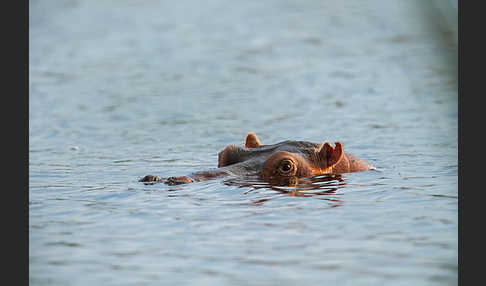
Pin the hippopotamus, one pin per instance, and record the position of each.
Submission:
(282, 163)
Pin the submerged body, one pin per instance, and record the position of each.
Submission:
(279, 163)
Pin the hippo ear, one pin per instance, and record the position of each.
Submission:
(329, 155)
(252, 141)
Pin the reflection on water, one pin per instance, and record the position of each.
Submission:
(294, 185)
(321, 187)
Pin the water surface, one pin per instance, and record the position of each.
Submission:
(122, 89)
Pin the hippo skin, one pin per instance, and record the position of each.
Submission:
(280, 163)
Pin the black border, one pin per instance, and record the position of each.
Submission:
(471, 81)
(15, 47)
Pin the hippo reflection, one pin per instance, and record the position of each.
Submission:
(282, 163)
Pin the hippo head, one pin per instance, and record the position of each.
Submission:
(281, 162)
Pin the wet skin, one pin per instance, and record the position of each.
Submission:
(282, 163)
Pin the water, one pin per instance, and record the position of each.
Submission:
(122, 89)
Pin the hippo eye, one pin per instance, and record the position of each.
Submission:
(286, 166)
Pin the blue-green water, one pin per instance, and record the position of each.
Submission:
(122, 89)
